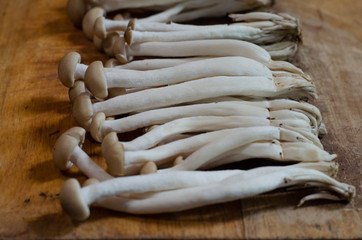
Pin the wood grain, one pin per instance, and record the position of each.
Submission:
(35, 35)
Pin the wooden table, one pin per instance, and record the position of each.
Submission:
(35, 110)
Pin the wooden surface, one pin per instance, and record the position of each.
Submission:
(35, 35)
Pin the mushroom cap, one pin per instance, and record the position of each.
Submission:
(112, 62)
(100, 28)
(98, 43)
(72, 201)
(96, 126)
(90, 181)
(131, 24)
(109, 42)
(128, 36)
(89, 20)
(76, 10)
(149, 167)
(113, 152)
(95, 80)
(67, 68)
(83, 110)
(114, 92)
(119, 50)
(65, 145)
(76, 90)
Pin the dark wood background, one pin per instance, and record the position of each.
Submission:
(35, 110)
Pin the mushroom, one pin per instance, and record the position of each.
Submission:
(98, 79)
(84, 109)
(205, 48)
(279, 27)
(211, 123)
(100, 126)
(67, 151)
(118, 159)
(181, 190)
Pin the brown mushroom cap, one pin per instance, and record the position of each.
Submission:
(97, 125)
(77, 89)
(67, 68)
(112, 62)
(131, 24)
(109, 42)
(89, 20)
(90, 181)
(128, 36)
(113, 152)
(76, 10)
(100, 28)
(98, 43)
(95, 80)
(72, 201)
(65, 145)
(119, 50)
(83, 110)
(149, 167)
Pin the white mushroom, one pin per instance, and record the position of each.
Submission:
(180, 190)
(67, 151)
(84, 109)
(118, 159)
(278, 28)
(204, 48)
(100, 126)
(98, 79)
(209, 123)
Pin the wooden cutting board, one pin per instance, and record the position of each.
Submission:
(35, 110)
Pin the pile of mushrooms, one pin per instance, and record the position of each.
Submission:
(213, 97)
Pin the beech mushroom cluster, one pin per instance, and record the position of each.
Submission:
(204, 96)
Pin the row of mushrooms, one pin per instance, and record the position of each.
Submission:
(204, 95)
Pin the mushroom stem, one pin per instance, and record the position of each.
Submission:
(67, 151)
(291, 151)
(232, 141)
(182, 190)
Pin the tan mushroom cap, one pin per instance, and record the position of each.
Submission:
(65, 145)
(77, 89)
(112, 62)
(113, 152)
(72, 201)
(119, 50)
(109, 41)
(95, 80)
(67, 68)
(83, 110)
(131, 24)
(98, 43)
(148, 168)
(100, 28)
(97, 126)
(89, 21)
(90, 181)
(128, 36)
(76, 10)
